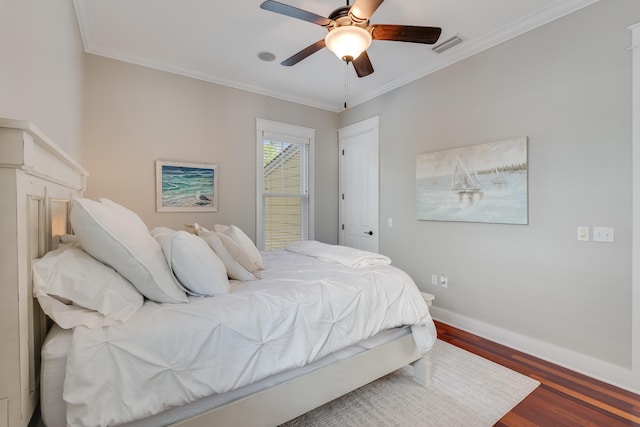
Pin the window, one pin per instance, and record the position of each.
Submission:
(284, 184)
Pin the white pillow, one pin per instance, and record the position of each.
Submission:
(115, 237)
(75, 289)
(193, 262)
(239, 255)
(238, 236)
(132, 216)
(234, 269)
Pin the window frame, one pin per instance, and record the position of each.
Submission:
(282, 132)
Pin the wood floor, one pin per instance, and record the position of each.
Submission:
(564, 397)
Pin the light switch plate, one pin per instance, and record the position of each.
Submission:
(603, 234)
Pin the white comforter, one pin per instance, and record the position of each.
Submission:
(351, 257)
(170, 354)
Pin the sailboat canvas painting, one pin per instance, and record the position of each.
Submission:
(479, 183)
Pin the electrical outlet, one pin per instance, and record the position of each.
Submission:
(434, 280)
(444, 281)
(583, 233)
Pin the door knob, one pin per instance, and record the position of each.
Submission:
(370, 233)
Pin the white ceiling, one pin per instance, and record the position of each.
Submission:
(219, 41)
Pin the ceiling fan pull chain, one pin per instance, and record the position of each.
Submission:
(346, 84)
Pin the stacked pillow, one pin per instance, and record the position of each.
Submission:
(236, 262)
(193, 262)
(118, 237)
(74, 289)
(99, 277)
(245, 244)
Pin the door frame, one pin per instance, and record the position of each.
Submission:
(359, 128)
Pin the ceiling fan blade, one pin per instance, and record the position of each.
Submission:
(362, 10)
(307, 51)
(294, 12)
(405, 33)
(362, 65)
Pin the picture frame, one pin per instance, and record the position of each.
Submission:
(186, 187)
(479, 183)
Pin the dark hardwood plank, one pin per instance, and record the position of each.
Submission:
(564, 397)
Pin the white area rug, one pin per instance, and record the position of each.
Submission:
(467, 391)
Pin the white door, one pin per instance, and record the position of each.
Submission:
(359, 185)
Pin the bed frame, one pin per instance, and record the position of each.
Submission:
(37, 181)
(44, 180)
(286, 401)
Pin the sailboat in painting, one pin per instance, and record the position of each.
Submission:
(498, 176)
(462, 180)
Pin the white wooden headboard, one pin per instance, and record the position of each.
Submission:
(37, 181)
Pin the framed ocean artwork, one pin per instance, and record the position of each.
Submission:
(479, 183)
(186, 187)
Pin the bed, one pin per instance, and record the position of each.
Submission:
(313, 322)
(90, 373)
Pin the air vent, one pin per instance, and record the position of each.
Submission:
(447, 44)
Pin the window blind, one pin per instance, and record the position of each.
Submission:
(285, 193)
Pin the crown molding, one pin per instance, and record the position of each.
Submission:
(451, 56)
(469, 48)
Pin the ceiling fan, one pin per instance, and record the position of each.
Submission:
(350, 32)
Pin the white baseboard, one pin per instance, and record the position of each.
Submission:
(587, 365)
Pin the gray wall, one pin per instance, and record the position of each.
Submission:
(136, 115)
(567, 86)
(41, 69)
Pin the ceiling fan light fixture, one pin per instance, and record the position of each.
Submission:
(348, 41)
